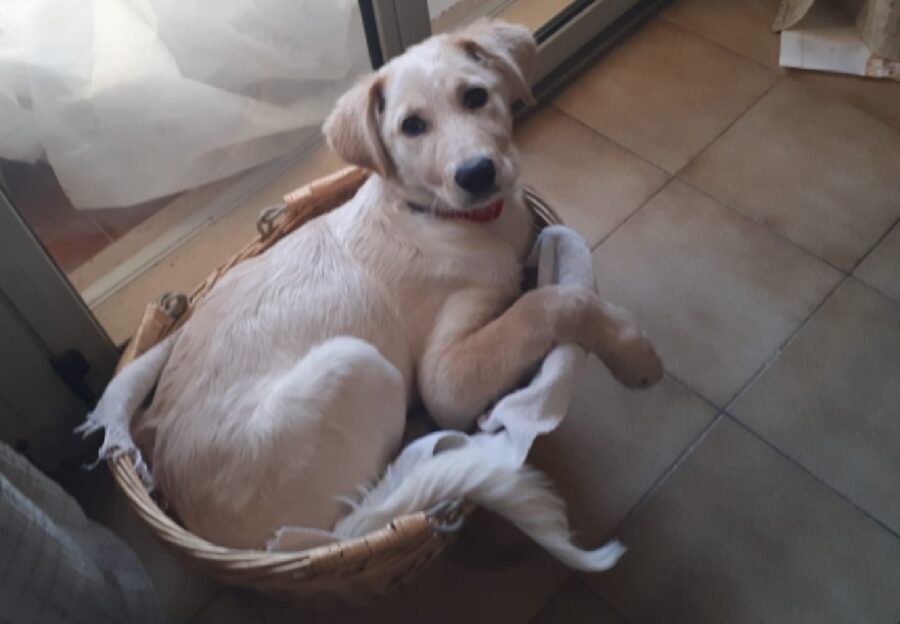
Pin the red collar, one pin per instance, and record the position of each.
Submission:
(483, 214)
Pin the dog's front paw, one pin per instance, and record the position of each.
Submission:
(633, 360)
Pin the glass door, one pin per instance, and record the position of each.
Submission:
(128, 128)
(570, 33)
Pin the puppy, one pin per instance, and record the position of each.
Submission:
(290, 383)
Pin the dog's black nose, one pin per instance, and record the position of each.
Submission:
(476, 175)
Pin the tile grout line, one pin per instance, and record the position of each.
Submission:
(579, 578)
(784, 344)
(881, 238)
(765, 367)
(669, 176)
(694, 391)
(593, 130)
(618, 226)
(778, 80)
(655, 487)
(678, 175)
(668, 180)
(895, 224)
(664, 477)
(795, 462)
(763, 226)
(890, 298)
(690, 31)
(572, 575)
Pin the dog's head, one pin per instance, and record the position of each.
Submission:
(436, 121)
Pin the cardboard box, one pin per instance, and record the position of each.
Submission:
(878, 21)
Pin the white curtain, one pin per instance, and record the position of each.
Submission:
(134, 99)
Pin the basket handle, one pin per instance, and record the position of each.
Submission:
(266, 221)
(447, 517)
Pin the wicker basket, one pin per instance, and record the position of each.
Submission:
(351, 571)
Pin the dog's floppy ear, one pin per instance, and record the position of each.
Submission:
(510, 48)
(352, 127)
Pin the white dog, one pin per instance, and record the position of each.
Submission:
(290, 383)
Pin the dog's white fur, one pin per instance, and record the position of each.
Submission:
(289, 385)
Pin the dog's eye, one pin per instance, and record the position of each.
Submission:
(413, 126)
(475, 97)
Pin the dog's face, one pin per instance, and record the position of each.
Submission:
(436, 121)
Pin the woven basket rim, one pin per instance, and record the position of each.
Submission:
(174, 533)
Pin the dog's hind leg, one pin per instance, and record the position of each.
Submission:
(327, 426)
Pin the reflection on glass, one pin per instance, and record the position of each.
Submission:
(449, 14)
(108, 117)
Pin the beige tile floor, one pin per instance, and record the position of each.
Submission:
(749, 217)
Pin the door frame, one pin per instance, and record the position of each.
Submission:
(42, 296)
(568, 43)
(56, 357)
(574, 39)
(391, 26)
